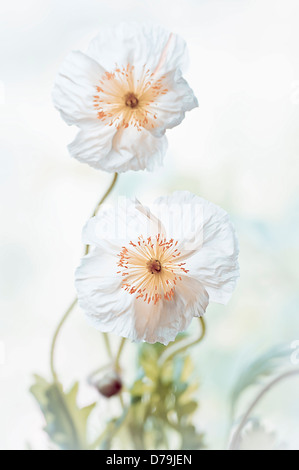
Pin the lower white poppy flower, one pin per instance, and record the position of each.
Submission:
(123, 94)
(151, 271)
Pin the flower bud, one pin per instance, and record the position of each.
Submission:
(109, 385)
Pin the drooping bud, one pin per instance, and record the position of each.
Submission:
(109, 384)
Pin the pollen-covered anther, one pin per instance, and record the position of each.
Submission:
(151, 268)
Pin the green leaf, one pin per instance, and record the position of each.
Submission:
(140, 388)
(154, 351)
(163, 401)
(113, 427)
(191, 438)
(187, 408)
(150, 368)
(261, 367)
(187, 395)
(65, 422)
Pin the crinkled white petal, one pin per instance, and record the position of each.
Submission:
(99, 291)
(74, 88)
(182, 214)
(139, 45)
(136, 150)
(208, 241)
(172, 106)
(92, 145)
(162, 322)
(105, 148)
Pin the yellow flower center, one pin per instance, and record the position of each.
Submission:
(151, 268)
(125, 98)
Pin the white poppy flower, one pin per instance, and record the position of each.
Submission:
(123, 94)
(151, 271)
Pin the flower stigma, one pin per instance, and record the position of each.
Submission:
(154, 266)
(131, 100)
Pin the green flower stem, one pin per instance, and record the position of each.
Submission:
(118, 356)
(113, 363)
(107, 193)
(121, 400)
(108, 345)
(73, 304)
(61, 323)
(234, 442)
(181, 346)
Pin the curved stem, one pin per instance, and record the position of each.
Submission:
(280, 378)
(112, 363)
(71, 307)
(121, 400)
(120, 350)
(183, 345)
(113, 182)
(107, 344)
(62, 321)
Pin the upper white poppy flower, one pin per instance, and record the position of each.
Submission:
(151, 271)
(123, 94)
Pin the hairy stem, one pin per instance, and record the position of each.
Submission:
(74, 302)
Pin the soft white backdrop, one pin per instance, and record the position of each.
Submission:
(239, 149)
